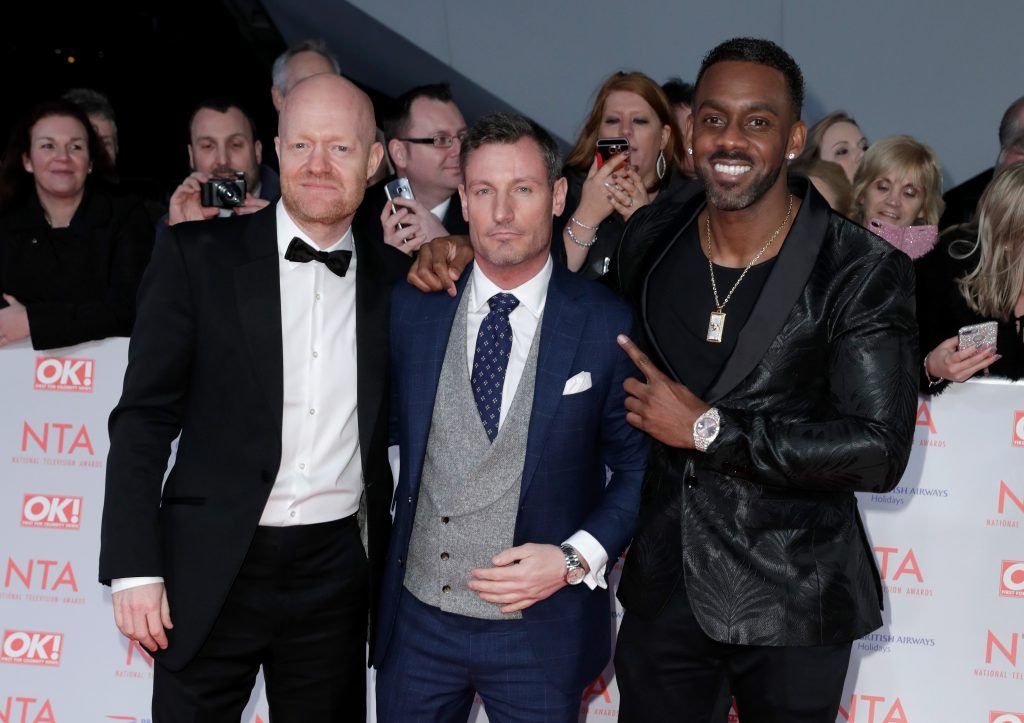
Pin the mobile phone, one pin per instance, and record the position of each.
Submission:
(608, 147)
(398, 187)
(977, 335)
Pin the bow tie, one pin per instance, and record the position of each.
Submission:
(336, 261)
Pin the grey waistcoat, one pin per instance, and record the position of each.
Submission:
(469, 490)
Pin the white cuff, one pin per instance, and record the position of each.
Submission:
(595, 555)
(123, 583)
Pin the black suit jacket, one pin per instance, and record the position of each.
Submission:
(817, 401)
(78, 283)
(206, 361)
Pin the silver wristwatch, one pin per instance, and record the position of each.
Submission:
(705, 429)
(574, 572)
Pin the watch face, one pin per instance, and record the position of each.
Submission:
(575, 575)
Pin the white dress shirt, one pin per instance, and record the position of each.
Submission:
(320, 477)
(441, 209)
(524, 320)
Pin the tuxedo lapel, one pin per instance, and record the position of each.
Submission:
(258, 297)
(786, 282)
(372, 293)
(559, 339)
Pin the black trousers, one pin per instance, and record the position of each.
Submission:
(298, 607)
(668, 670)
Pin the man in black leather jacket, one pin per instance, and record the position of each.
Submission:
(780, 379)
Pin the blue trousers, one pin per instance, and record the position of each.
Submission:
(437, 661)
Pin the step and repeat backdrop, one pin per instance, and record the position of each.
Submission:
(948, 541)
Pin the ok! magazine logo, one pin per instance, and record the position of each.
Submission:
(64, 374)
(28, 647)
(55, 512)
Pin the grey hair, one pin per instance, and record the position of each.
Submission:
(508, 128)
(279, 72)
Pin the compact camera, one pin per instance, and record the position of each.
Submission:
(223, 192)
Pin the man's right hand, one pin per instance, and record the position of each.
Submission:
(440, 263)
(184, 204)
(142, 613)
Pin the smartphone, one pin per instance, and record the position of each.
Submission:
(399, 187)
(608, 147)
(978, 335)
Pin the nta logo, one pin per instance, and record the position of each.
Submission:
(924, 417)
(24, 709)
(1007, 649)
(60, 374)
(54, 512)
(907, 564)
(28, 647)
(1006, 495)
(56, 437)
(873, 709)
(41, 575)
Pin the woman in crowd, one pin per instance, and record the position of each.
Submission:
(836, 138)
(898, 182)
(601, 199)
(976, 275)
(71, 255)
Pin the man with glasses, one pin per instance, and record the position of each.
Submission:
(424, 138)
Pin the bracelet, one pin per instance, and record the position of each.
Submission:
(932, 381)
(581, 244)
(579, 223)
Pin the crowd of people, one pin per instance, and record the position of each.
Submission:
(664, 187)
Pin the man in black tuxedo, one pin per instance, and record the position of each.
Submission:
(424, 135)
(265, 543)
(781, 378)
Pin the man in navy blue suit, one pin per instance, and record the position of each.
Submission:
(509, 404)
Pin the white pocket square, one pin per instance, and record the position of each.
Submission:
(579, 383)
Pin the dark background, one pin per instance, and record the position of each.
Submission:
(155, 61)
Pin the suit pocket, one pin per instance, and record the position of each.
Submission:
(183, 501)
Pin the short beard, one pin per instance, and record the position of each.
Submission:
(737, 200)
(321, 214)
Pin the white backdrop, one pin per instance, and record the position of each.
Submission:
(948, 540)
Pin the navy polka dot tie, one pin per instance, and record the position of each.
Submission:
(493, 345)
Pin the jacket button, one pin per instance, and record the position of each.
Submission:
(444, 520)
(410, 500)
(444, 555)
(446, 588)
(399, 562)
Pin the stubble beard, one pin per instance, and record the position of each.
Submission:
(320, 211)
(735, 200)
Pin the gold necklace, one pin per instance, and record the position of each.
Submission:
(716, 324)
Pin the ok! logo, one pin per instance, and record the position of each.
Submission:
(63, 374)
(1001, 716)
(1011, 579)
(27, 647)
(55, 512)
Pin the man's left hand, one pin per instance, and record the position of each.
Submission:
(662, 408)
(13, 321)
(521, 576)
(251, 205)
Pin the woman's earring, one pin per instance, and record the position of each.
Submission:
(662, 164)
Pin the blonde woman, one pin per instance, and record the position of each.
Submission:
(898, 183)
(976, 274)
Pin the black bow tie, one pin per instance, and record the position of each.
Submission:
(301, 252)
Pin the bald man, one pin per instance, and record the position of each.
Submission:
(265, 543)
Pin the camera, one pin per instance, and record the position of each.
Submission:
(223, 192)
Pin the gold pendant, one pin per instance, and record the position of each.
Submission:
(716, 327)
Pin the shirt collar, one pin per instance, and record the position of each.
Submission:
(531, 294)
(441, 209)
(287, 229)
